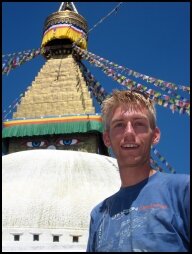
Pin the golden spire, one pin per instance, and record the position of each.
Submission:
(63, 28)
(59, 88)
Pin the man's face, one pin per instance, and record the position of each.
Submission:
(130, 136)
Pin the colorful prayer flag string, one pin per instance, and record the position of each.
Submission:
(17, 59)
(155, 164)
(94, 86)
(163, 160)
(14, 104)
(164, 100)
(164, 85)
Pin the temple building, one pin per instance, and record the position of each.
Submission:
(56, 167)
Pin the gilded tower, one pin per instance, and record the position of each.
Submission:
(57, 110)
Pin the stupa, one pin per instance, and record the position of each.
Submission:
(56, 167)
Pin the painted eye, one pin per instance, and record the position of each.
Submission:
(35, 143)
(68, 142)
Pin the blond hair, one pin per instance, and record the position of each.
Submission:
(133, 99)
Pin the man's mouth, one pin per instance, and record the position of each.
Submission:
(129, 146)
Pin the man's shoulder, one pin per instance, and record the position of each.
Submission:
(174, 181)
(175, 178)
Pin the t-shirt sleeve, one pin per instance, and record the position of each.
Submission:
(186, 201)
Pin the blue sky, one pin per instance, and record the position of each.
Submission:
(150, 38)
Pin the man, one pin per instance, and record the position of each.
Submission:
(150, 212)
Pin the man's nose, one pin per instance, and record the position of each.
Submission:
(129, 130)
(129, 127)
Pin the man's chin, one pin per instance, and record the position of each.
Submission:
(130, 162)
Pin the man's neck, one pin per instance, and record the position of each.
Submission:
(132, 176)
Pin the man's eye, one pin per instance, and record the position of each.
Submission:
(68, 142)
(139, 124)
(35, 143)
(118, 125)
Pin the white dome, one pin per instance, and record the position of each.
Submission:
(55, 189)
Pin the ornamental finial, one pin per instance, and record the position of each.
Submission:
(68, 6)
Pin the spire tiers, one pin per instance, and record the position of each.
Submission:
(63, 28)
(59, 89)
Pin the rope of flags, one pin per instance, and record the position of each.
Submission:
(164, 85)
(183, 106)
(99, 22)
(155, 165)
(168, 87)
(94, 86)
(111, 72)
(13, 105)
(14, 60)
(163, 160)
(16, 53)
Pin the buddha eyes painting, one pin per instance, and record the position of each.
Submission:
(50, 143)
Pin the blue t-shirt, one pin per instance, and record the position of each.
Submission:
(151, 216)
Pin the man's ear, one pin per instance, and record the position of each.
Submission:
(156, 136)
(106, 139)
